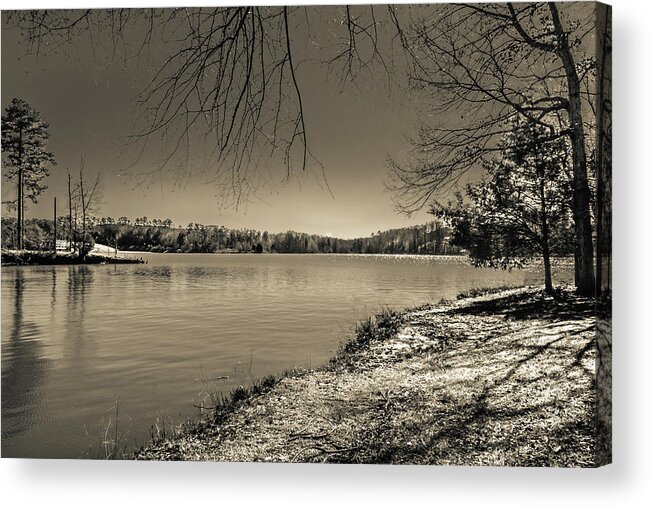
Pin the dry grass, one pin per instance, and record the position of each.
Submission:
(499, 379)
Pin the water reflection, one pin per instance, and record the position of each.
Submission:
(53, 299)
(24, 368)
(79, 280)
(164, 272)
(78, 342)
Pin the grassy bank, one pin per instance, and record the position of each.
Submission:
(502, 378)
(36, 258)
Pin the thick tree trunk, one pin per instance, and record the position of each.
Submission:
(604, 234)
(604, 151)
(584, 274)
(581, 208)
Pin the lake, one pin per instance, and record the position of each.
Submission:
(159, 337)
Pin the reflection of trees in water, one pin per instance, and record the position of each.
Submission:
(164, 272)
(80, 280)
(202, 275)
(24, 369)
(53, 301)
(153, 272)
(80, 277)
(158, 277)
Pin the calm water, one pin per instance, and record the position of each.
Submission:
(157, 336)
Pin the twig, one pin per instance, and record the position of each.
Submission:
(309, 436)
(335, 451)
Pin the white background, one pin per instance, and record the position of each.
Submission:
(69, 482)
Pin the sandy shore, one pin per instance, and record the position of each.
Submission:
(496, 379)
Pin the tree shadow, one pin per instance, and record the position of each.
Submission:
(563, 305)
(535, 409)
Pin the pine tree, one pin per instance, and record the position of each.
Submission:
(25, 156)
(522, 208)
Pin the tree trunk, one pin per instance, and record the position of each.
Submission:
(603, 333)
(19, 209)
(54, 241)
(549, 288)
(584, 273)
(69, 213)
(82, 249)
(21, 186)
(22, 212)
(604, 151)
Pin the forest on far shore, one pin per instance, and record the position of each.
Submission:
(156, 235)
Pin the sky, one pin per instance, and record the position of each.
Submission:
(88, 99)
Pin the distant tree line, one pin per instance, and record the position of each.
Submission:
(159, 235)
(37, 233)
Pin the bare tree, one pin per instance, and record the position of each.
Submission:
(88, 199)
(224, 77)
(224, 74)
(483, 64)
(70, 228)
(83, 198)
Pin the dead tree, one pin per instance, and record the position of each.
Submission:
(70, 226)
(88, 195)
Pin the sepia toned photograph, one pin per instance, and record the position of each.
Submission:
(358, 234)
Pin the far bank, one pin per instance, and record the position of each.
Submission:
(37, 258)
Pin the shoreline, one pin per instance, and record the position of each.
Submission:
(498, 377)
(36, 258)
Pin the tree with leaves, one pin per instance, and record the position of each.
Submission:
(521, 208)
(25, 156)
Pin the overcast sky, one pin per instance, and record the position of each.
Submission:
(89, 101)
